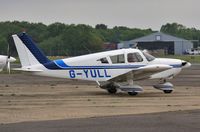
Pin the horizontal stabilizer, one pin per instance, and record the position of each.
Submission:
(27, 69)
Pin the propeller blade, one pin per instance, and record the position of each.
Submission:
(8, 59)
(8, 50)
(8, 67)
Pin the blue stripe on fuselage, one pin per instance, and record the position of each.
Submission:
(60, 65)
(176, 65)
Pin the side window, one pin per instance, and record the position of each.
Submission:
(134, 57)
(103, 60)
(117, 59)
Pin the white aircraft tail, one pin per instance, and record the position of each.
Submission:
(29, 53)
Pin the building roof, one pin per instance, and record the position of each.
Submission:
(158, 36)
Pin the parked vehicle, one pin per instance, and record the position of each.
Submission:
(193, 51)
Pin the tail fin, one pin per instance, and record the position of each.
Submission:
(29, 53)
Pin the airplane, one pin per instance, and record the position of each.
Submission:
(5, 60)
(116, 70)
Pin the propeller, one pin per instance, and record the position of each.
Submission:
(9, 59)
(8, 65)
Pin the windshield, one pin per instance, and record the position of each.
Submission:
(148, 56)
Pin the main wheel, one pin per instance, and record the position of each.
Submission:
(167, 91)
(112, 90)
(132, 93)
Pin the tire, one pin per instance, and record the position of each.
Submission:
(167, 91)
(132, 93)
(112, 90)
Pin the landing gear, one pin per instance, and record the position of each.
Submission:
(132, 93)
(167, 91)
(112, 90)
(110, 87)
(166, 87)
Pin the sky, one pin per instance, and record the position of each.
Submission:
(131, 13)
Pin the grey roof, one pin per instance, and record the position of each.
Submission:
(152, 38)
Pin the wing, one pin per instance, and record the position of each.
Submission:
(141, 73)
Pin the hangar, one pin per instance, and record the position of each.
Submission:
(160, 41)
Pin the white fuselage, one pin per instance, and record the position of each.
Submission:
(89, 67)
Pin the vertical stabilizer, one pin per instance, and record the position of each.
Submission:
(29, 53)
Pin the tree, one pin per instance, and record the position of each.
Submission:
(70, 40)
(101, 26)
(181, 31)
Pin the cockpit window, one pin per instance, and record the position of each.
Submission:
(117, 59)
(134, 57)
(103, 60)
(148, 56)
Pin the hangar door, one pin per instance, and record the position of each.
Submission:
(168, 46)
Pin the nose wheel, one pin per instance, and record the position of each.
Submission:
(166, 87)
(167, 91)
(132, 93)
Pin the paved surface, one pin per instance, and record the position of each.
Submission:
(180, 121)
(184, 121)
